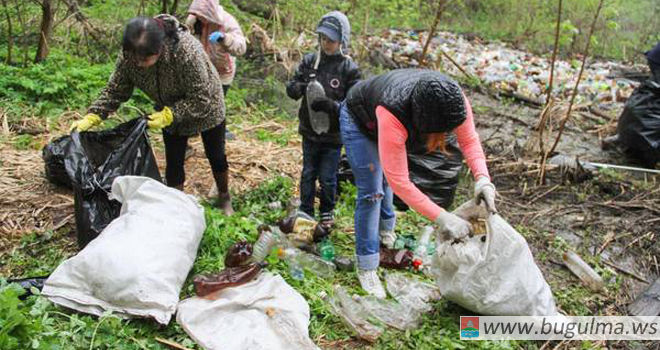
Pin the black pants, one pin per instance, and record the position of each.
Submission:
(175, 153)
(320, 161)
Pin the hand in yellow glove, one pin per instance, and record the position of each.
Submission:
(160, 119)
(89, 121)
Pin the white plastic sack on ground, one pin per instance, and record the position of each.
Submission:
(491, 274)
(265, 313)
(138, 264)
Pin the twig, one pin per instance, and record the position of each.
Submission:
(609, 238)
(171, 344)
(438, 14)
(621, 269)
(577, 83)
(543, 194)
(554, 54)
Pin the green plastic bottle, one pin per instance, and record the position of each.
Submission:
(327, 250)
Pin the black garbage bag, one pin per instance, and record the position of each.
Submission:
(28, 283)
(639, 124)
(53, 156)
(93, 160)
(435, 174)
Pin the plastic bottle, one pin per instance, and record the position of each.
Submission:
(229, 277)
(327, 250)
(310, 262)
(263, 245)
(421, 252)
(295, 268)
(580, 268)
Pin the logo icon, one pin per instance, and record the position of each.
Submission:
(469, 326)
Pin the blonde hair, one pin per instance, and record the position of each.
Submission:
(437, 142)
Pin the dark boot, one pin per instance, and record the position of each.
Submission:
(178, 187)
(224, 199)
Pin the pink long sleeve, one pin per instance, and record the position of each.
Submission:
(392, 137)
(468, 141)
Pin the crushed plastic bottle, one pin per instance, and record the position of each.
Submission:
(319, 120)
(207, 285)
(421, 256)
(353, 315)
(327, 250)
(411, 292)
(286, 328)
(390, 312)
(583, 271)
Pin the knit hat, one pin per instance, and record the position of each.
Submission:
(437, 105)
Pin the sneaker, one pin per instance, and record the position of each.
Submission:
(387, 239)
(327, 220)
(371, 283)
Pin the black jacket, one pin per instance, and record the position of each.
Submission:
(424, 101)
(337, 74)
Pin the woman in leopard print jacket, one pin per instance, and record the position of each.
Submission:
(161, 58)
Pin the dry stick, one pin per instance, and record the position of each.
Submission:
(577, 83)
(438, 14)
(542, 119)
(171, 344)
(554, 54)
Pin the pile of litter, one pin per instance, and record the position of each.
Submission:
(505, 69)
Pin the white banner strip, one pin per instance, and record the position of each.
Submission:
(560, 328)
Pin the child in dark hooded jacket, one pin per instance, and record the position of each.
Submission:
(336, 72)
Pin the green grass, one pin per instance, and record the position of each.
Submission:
(50, 327)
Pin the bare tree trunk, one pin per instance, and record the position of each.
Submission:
(163, 8)
(174, 7)
(10, 34)
(23, 36)
(45, 30)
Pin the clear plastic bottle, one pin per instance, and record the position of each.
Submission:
(580, 268)
(264, 244)
(310, 262)
(421, 257)
(295, 268)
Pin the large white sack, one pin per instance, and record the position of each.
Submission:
(138, 264)
(265, 313)
(495, 276)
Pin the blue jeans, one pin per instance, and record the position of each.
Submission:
(374, 210)
(320, 161)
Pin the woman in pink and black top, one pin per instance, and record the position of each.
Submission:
(382, 120)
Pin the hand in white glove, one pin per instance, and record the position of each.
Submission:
(485, 190)
(453, 225)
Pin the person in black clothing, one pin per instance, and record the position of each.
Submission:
(653, 58)
(336, 72)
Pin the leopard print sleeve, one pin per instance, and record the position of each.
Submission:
(118, 90)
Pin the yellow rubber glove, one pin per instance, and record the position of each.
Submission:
(160, 119)
(89, 121)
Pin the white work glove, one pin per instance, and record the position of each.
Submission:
(453, 225)
(485, 190)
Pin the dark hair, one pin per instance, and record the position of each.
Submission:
(145, 36)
